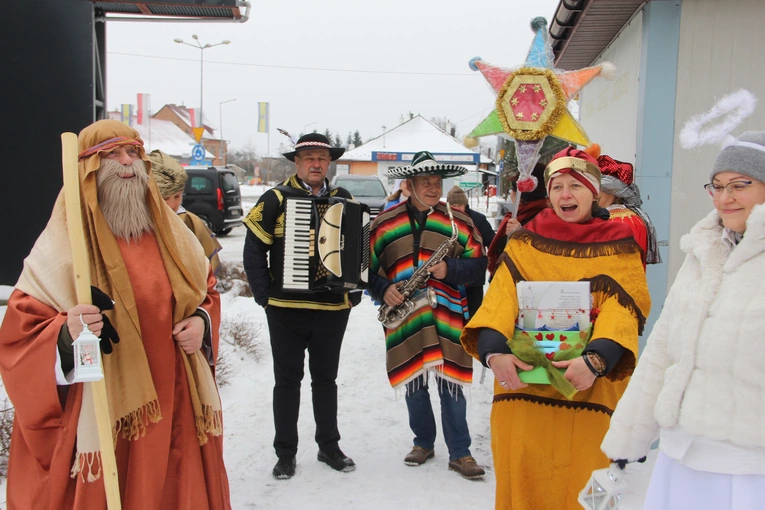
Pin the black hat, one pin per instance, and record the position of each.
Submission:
(314, 141)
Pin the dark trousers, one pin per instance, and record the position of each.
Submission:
(474, 299)
(293, 330)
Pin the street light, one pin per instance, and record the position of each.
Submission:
(201, 49)
(222, 141)
(305, 127)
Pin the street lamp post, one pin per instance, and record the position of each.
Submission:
(201, 49)
(305, 127)
(224, 146)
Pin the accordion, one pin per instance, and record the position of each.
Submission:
(326, 244)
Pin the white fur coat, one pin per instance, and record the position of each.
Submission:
(703, 368)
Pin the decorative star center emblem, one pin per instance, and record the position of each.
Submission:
(530, 102)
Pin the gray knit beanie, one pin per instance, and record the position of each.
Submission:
(745, 156)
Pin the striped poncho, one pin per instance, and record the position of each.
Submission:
(430, 337)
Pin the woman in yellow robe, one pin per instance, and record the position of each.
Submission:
(545, 446)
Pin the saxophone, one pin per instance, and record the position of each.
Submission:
(416, 293)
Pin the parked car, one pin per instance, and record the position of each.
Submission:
(367, 189)
(212, 193)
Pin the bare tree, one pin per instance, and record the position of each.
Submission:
(246, 158)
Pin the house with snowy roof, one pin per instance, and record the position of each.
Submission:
(396, 147)
(185, 119)
(165, 136)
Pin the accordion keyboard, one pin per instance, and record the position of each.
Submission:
(298, 244)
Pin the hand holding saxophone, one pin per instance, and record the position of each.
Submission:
(392, 296)
(438, 271)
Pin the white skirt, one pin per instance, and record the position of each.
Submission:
(674, 486)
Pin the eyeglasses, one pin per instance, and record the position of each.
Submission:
(733, 188)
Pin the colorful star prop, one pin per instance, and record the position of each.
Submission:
(532, 103)
(532, 100)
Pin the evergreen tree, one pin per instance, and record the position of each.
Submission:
(338, 141)
(349, 141)
(328, 134)
(357, 141)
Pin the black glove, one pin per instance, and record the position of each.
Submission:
(622, 463)
(108, 333)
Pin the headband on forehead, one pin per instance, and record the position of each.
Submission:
(573, 163)
(583, 171)
(108, 145)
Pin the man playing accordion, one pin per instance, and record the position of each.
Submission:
(297, 320)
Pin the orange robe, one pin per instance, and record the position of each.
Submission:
(166, 468)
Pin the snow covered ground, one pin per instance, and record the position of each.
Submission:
(373, 423)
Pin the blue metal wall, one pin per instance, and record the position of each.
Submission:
(656, 131)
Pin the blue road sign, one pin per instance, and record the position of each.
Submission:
(198, 152)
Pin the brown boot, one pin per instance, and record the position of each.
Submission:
(418, 456)
(467, 467)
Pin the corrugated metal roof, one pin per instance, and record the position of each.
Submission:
(582, 29)
(178, 8)
(119, 7)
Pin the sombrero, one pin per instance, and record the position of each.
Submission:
(424, 163)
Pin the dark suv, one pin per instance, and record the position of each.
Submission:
(367, 189)
(212, 193)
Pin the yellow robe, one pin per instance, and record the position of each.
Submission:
(206, 238)
(545, 447)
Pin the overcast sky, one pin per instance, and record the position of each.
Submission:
(337, 64)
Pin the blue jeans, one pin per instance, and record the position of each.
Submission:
(453, 421)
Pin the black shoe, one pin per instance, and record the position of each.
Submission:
(284, 468)
(337, 460)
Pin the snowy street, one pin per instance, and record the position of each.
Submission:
(373, 423)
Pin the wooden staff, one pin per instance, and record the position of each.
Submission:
(82, 286)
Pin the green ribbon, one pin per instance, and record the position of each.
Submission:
(524, 346)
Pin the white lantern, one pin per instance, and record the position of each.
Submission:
(604, 489)
(87, 357)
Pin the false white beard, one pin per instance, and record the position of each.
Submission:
(124, 201)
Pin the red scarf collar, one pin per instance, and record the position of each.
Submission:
(594, 230)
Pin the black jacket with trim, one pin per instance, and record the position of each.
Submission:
(265, 240)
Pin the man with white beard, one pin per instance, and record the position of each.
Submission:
(163, 402)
